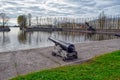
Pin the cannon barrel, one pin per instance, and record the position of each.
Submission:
(65, 46)
(87, 24)
(89, 28)
(118, 35)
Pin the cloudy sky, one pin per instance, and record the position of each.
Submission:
(81, 8)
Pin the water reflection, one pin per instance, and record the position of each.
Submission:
(16, 40)
(4, 38)
(77, 37)
(22, 37)
(99, 37)
(35, 38)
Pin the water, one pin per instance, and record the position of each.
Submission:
(19, 40)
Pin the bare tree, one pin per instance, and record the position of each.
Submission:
(102, 19)
(4, 19)
(37, 20)
(118, 22)
(29, 19)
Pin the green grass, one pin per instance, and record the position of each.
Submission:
(105, 67)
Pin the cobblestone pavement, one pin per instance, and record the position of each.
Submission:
(24, 61)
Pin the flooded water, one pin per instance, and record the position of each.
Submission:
(19, 40)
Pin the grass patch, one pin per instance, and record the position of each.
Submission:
(105, 67)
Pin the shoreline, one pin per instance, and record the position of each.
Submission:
(40, 47)
(49, 46)
(25, 61)
(4, 29)
(98, 31)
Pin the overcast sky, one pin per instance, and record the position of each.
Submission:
(82, 8)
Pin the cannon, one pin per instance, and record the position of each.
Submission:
(90, 28)
(63, 49)
(118, 35)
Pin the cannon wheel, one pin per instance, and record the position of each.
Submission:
(64, 59)
(75, 56)
(53, 53)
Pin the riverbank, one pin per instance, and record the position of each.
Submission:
(24, 61)
(100, 31)
(42, 29)
(4, 29)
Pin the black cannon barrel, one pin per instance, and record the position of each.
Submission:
(87, 24)
(89, 28)
(118, 35)
(65, 46)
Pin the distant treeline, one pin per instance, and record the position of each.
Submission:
(101, 22)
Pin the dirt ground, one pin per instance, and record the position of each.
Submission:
(24, 61)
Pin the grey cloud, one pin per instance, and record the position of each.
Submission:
(58, 7)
